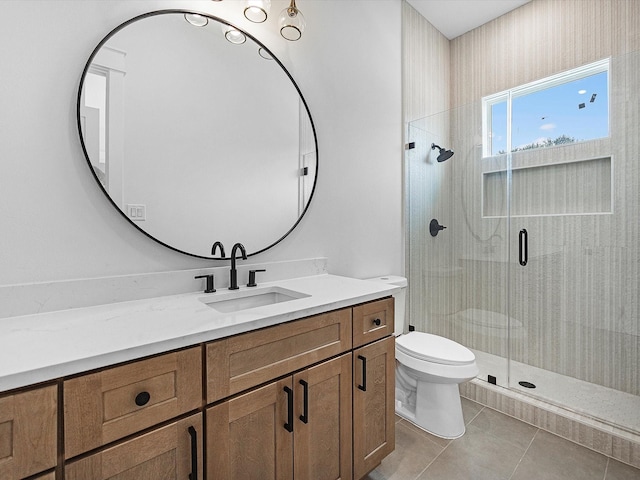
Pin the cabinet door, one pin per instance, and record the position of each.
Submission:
(249, 437)
(373, 405)
(170, 452)
(28, 436)
(322, 427)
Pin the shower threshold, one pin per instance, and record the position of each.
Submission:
(612, 407)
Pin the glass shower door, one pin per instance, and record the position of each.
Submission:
(575, 253)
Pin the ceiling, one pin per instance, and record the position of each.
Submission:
(455, 17)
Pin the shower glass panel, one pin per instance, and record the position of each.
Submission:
(458, 279)
(577, 296)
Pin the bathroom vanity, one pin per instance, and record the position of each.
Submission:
(172, 388)
(289, 379)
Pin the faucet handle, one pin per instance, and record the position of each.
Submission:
(210, 286)
(252, 278)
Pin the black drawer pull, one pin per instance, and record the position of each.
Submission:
(289, 425)
(377, 322)
(363, 387)
(194, 453)
(305, 402)
(142, 399)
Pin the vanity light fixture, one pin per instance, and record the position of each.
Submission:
(196, 20)
(232, 35)
(257, 11)
(291, 22)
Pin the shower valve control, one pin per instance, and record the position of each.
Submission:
(435, 227)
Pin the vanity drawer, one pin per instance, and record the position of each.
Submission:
(237, 363)
(372, 321)
(105, 406)
(28, 432)
(173, 452)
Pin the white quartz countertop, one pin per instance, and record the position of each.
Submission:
(40, 347)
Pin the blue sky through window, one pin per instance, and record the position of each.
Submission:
(546, 114)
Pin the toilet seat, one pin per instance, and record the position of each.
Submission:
(434, 349)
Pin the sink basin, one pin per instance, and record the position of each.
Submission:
(235, 301)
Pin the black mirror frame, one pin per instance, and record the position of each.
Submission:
(261, 45)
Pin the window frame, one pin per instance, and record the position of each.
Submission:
(583, 71)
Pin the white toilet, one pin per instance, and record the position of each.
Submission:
(428, 371)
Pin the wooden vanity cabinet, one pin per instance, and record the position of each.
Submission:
(272, 432)
(172, 452)
(297, 427)
(350, 424)
(373, 404)
(28, 432)
(307, 399)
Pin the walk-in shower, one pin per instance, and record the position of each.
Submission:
(538, 270)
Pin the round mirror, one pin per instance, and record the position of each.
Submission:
(197, 133)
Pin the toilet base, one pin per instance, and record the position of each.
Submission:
(437, 409)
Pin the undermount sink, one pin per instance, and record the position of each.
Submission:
(235, 301)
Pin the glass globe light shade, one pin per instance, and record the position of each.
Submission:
(291, 22)
(257, 11)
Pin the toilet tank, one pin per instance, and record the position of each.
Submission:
(399, 300)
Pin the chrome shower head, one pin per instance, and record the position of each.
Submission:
(444, 154)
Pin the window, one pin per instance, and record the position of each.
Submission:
(565, 108)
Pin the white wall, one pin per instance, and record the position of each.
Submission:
(55, 223)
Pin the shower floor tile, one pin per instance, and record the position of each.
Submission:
(495, 446)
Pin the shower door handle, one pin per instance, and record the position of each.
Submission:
(523, 243)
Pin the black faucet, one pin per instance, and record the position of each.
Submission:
(233, 274)
(216, 245)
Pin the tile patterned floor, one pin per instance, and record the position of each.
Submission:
(494, 447)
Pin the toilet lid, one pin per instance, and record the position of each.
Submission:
(433, 348)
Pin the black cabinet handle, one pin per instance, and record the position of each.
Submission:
(523, 244)
(194, 453)
(305, 402)
(377, 322)
(363, 387)
(142, 399)
(289, 425)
